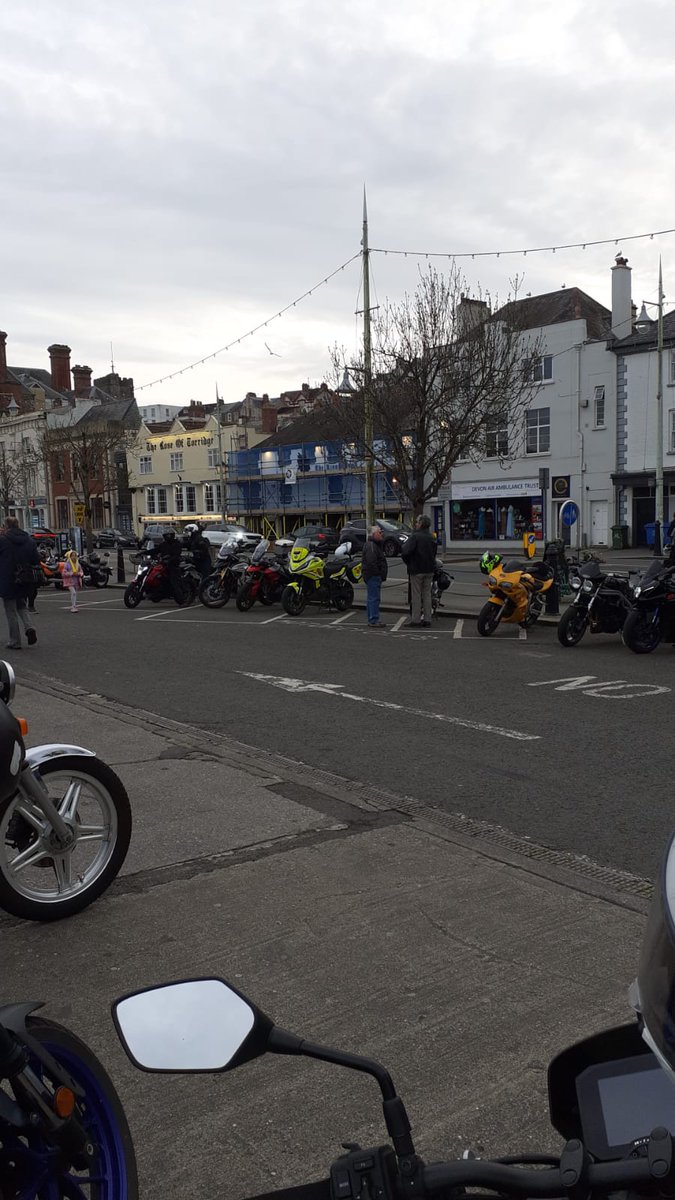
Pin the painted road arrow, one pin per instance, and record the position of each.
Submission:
(335, 689)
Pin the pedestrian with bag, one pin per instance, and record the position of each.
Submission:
(19, 560)
(72, 576)
(419, 556)
(375, 568)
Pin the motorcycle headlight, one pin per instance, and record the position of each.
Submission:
(507, 586)
(637, 590)
(575, 583)
(588, 586)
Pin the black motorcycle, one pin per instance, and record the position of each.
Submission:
(225, 579)
(602, 601)
(97, 570)
(652, 617)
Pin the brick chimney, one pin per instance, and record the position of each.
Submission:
(269, 418)
(3, 356)
(59, 357)
(81, 381)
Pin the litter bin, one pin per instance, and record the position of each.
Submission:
(554, 556)
(650, 532)
(619, 537)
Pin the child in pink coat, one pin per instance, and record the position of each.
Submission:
(72, 577)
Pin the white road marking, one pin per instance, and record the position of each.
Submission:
(93, 603)
(613, 689)
(269, 620)
(344, 618)
(164, 614)
(398, 624)
(288, 684)
(457, 631)
(522, 635)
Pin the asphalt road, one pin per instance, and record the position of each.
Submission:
(516, 731)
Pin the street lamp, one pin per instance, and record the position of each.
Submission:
(659, 506)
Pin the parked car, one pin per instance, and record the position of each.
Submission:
(229, 532)
(114, 537)
(43, 535)
(152, 534)
(320, 537)
(395, 535)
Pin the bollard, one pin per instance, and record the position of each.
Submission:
(552, 597)
(121, 577)
(657, 539)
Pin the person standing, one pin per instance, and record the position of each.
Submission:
(17, 550)
(200, 549)
(375, 568)
(72, 577)
(419, 556)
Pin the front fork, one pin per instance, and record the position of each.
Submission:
(31, 785)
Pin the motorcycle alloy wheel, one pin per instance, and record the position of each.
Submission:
(40, 884)
(293, 602)
(214, 592)
(488, 619)
(572, 626)
(132, 596)
(112, 1174)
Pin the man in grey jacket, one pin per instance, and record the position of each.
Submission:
(419, 556)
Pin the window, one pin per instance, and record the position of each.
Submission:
(538, 430)
(671, 431)
(541, 369)
(145, 464)
(176, 461)
(213, 458)
(156, 501)
(599, 400)
(671, 370)
(212, 498)
(186, 498)
(150, 501)
(496, 437)
(162, 507)
(59, 467)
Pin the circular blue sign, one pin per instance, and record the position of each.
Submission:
(570, 513)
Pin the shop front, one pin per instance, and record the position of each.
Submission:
(498, 510)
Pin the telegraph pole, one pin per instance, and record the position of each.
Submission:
(221, 467)
(658, 538)
(367, 375)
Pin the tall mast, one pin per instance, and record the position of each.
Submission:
(367, 374)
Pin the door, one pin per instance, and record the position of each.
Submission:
(599, 522)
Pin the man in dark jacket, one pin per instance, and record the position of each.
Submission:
(169, 551)
(199, 548)
(374, 565)
(17, 549)
(419, 555)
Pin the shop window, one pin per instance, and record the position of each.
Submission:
(599, 402)
(496, 519)
(496, 437)
(162, 504)
(212, 498)
(538, 430)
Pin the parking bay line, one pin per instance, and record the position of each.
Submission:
(335, 689)
(344, 618)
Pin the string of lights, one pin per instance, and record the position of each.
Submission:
(250, 332)
(616, 241)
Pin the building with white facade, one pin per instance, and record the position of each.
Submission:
(152, 414)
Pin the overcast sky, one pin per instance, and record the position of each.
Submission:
(174, 173)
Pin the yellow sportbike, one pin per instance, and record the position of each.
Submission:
(316, 580)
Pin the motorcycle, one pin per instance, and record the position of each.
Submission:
(65, 825)
(152, 580)
(97, 570)
(601, 603)
(225, 580)
(63, 1132)
(264, 580)
(315, 580)
(52, 568)
(440, 583)
(516, 594)
(609, 1098)
(652, 617)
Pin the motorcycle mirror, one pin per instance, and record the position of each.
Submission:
(195, 1025)
(7, 682)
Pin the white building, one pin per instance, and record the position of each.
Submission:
(153, 414)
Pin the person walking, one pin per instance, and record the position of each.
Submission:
(72, 576)
(375, 568)
(17, 551)
(419, 556)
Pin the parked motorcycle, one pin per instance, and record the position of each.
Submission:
(152, 581)
(96, 570)
(516, 592)
(440, 583)
(65, 822)
(652, 617)
(63, 1132)
(313, 579)
(225, 579)
(264, 580)
(609, 1095)
(602, 601)
(51, 568)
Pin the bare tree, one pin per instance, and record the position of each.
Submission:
(85, 452)
(18, 476)
(448, 375)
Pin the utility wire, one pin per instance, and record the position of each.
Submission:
(633, 237)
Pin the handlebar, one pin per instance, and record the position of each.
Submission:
(546, 1182)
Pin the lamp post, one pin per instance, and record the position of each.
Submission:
(658, 498)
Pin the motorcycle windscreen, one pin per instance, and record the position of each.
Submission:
(653, 994)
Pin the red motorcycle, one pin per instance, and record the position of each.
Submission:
(263, 581)
(153, 581)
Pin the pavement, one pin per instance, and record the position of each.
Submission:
(460, 954)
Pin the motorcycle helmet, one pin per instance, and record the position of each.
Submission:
(191, 529)
(489, 561)
(652, 995)
(169, 535)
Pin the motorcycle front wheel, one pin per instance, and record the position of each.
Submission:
(293, 602)
(102, 580)
(41, 884)
(111, 1173)
(488, 619)
(214, 593)
(132, 596)
(640, 632)
(245, 600)
(572, 626)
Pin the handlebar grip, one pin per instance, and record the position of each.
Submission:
(305, 1191)
(516, 1181)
